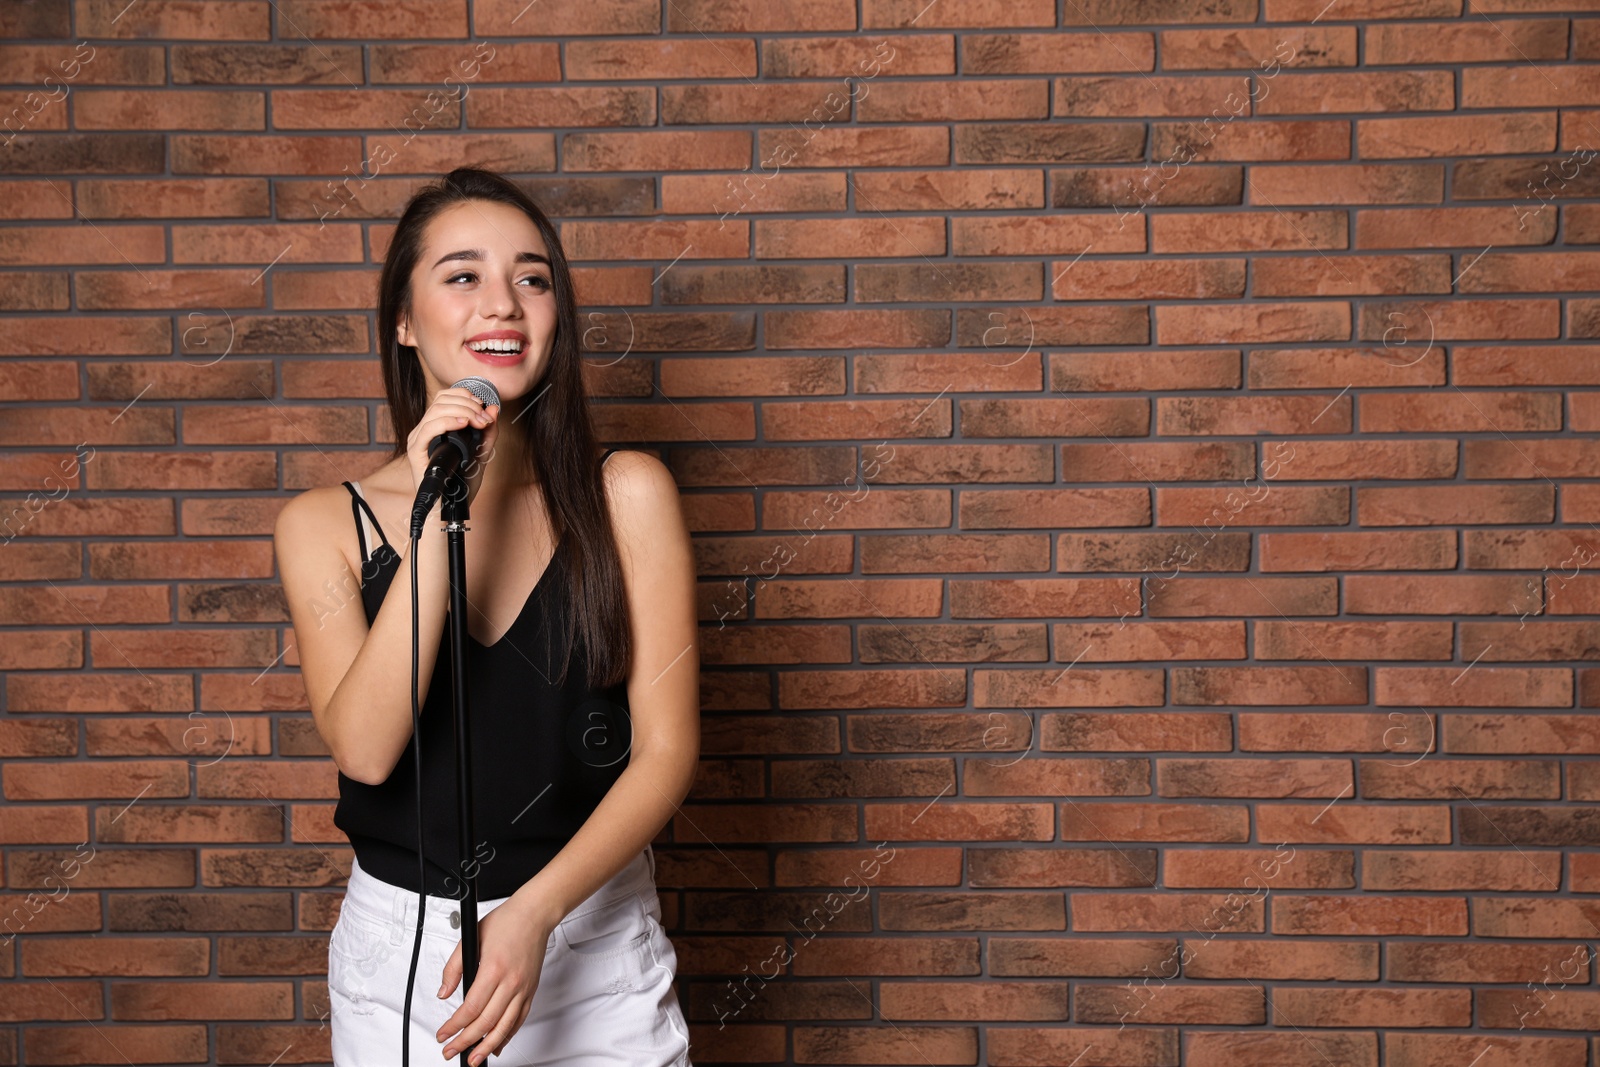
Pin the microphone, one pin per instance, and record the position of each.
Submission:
(448, 451)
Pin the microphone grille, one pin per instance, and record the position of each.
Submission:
(482, 388)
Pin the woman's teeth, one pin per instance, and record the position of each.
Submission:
(507, 348)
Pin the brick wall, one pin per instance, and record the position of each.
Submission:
(1140, 456)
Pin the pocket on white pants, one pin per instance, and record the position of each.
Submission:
(358, 950)
(607, 935)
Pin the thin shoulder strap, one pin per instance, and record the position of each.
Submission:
(607, 453)
(358, 505)
(355, 509)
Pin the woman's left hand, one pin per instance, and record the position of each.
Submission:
(511, 947)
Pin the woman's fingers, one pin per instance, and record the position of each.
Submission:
(522, 1017)
(444, 418)
(452, 972)
(480, 1025)
(455, 406)
(495, 1040)
(491, 425)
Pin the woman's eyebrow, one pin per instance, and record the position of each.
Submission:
(477, 253)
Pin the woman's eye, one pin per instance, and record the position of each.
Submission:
(542, 282)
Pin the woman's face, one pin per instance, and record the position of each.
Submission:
(482, 301)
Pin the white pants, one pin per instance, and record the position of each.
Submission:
(605, 996)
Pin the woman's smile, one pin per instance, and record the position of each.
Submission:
(498, 348)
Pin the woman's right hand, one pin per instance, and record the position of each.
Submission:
(455, 408)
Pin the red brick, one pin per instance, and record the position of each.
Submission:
(192, 109)
(1370, 916)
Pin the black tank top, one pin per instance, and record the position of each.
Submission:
(543, 755)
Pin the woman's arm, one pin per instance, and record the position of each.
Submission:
(358, 678)
(664, 709)
(663, 690)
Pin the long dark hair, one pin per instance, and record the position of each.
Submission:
(560, 451)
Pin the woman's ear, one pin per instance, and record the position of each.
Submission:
(403, 332)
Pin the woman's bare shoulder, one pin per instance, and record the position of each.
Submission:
(630, 475)
(312, 508)
(325, 515)
(641, 491)
(313, 519)
(631, 464)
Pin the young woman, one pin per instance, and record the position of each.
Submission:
(584, 668)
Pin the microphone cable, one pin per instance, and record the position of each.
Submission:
(422, 883)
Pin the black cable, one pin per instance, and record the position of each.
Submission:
(422, 883)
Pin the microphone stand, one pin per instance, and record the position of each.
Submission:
(453, 511)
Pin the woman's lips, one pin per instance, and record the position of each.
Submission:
(498, 359)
